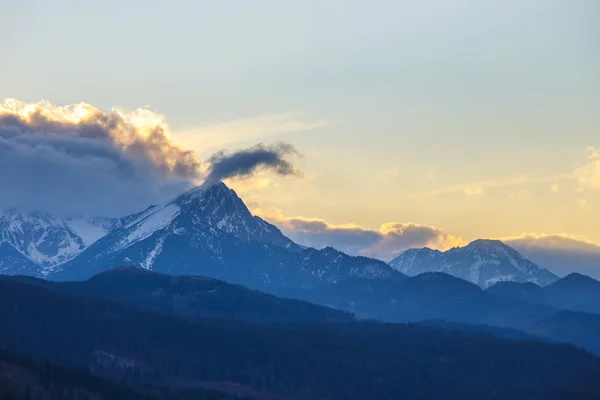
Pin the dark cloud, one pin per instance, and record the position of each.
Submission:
(80, 160)
(561, 254)
(244, 163)
(318, 234)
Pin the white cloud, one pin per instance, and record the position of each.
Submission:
(474, 191)
(582, 203)
(560, 253)
(588, 174)
(223, 134)
(478, 188)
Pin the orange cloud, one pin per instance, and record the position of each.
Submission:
(385, 243)
(561, 253)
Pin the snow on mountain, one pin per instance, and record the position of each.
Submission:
(210, 231)
(483, 262)
(43, 240)
(14, 263)
(206, 231)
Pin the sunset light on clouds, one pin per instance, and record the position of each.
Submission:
(476, 124)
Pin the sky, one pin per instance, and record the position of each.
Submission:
(413, 124)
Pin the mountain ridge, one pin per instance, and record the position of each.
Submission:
(133, 346)
(209, 231)
(482, 261)
(573, 292)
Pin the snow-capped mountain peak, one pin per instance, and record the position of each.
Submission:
(484, 262)
(45, 240)
(210, 231)
(220, 208)
(206, 231)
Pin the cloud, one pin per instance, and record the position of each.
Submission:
(588, 175)
(78, 159)
(232, 132)
(560, 253)
(474, 191)
(478, 188)
(581, 203)
(244, 163)
(385, 243)
(389, 175)
(593, 153)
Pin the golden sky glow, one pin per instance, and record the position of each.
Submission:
(466, 118)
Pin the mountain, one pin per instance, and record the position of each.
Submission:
(359, 360)
(525, 291)
(24, 378)
(580, 328)
(428, 296)
(483, 262)
(34, 243)
(13, 262)
(209, 231)
(573, 292)
(190, 296)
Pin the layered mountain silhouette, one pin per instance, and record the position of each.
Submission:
(428, 296)
(190, 296)
(483, 262)
(573, 292)
(160, 351)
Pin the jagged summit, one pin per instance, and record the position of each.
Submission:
(219, 206)
(483, 262)
(209, 231)
(42, 241)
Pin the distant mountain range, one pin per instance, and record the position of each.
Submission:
(209, 231)
(190, 296)
(573, 292)
(483, 262)
(35, 243)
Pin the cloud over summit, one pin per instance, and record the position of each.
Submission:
(243, 163)
(79, 159)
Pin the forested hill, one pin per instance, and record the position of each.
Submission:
(27, 379)
(347, 361)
